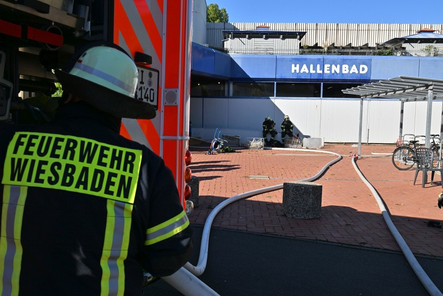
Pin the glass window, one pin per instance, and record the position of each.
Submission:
(334, 90)
(298, 89)
(253, 89)
(207, 87)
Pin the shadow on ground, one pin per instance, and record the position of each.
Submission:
(243, 263)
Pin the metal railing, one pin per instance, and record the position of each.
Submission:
(338, 51)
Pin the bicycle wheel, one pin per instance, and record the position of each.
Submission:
(403, 158)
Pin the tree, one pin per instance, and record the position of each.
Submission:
(430, 50)
(216, 15)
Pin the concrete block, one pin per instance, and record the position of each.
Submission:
(312, 143)
(293, 143)
(302, 200)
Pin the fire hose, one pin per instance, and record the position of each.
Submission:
(203, 258)
(416, 267)
(185, 280)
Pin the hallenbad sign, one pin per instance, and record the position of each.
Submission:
(325, 68)
(329, 68)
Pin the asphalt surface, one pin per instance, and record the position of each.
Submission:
(241, 263)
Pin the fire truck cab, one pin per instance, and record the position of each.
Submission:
(39, 36)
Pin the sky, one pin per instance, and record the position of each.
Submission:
(333, 11)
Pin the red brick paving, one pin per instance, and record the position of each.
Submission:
(349, 214)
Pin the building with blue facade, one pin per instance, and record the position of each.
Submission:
(234, 92)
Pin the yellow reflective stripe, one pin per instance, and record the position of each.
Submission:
(3, 246)
(73, 164)
(3, 239)
(167, 229)
(125, 247)
(18, 222)
(109, 233)
(11, 250)
(115, 247)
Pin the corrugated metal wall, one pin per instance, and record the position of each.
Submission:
(326, 34)
(214, 33)
(199, 22)
(263, 46)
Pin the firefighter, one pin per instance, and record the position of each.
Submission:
(286, 128)
(440, 200)
(268, 129)
(84, 210)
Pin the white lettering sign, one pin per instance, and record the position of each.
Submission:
(329, 69)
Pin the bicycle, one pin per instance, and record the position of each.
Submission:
(404, 156)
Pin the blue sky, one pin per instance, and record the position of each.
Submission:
(333, 11)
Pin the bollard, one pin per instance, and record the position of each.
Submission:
(302, 200)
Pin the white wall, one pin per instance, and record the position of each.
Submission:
(199, 21)
(333, 120)
(340, 120)
(381, 120)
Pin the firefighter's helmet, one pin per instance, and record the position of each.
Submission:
(287, 117)
(106, 77)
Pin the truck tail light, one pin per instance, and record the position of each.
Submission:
(188, 175)
(188, 178)
(188, 191)
(188, 157)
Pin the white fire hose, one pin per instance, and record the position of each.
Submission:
(416, 267)
(203, 258)
(185, 280)
(188, 284)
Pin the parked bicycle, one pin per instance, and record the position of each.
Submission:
(404, 156)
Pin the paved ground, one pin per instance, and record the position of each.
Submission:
(349, 214)
(256, 250)
(245, 263)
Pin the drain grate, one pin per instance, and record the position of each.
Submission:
(259, 177)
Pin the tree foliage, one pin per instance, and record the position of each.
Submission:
(430, 50)
(216, 15)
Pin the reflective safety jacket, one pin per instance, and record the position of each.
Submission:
(83, 210)
(268, 124)
(287, 126)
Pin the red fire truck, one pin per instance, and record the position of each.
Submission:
(38, 36)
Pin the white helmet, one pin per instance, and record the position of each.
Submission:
(106, 77)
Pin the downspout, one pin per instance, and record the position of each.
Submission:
(360, 127)
(402, 111)
(429, 116)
